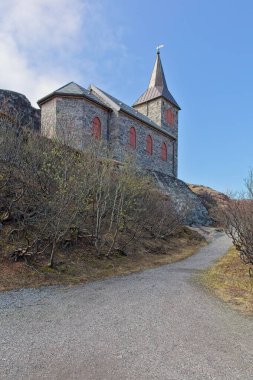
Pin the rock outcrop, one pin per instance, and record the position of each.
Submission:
(210, 197)
(185, 200)
(19, 109)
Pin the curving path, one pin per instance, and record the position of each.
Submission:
(157, 324)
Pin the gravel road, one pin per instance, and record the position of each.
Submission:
(158, 324)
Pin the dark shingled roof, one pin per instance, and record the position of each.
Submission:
(73, 88)
(133, 112)
(157, 86)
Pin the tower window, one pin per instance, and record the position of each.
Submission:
(149, 145)
(164, 152)
(96, 128)
(132, 137)
(169, 116)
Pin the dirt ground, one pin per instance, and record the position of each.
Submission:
(79, 264)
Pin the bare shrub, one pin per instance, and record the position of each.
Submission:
(164, 219)
(51, 195)
(236, 216)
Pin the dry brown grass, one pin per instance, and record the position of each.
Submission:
(79, 264)
(229, 279)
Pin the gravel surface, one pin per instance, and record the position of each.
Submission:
(158, 324)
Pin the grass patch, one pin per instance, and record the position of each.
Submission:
(229, 279)
(79, 264)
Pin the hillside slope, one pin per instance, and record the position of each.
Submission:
(209, 196)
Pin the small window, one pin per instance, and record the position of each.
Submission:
(96, 128)
(149, 145)
(169, 116)
(164, 152)
(132, 137)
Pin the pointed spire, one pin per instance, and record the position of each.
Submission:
(157, 77)
(157, 85)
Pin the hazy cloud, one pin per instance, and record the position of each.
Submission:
(44, 43)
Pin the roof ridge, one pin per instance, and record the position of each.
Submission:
(108, 97)
(81, 87)
(131, 111)
(75, 90)
(65, 85)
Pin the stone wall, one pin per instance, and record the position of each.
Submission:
(19, 109)
(140, 155)
(156, 111)
(171, 128)
(48, 119)
(70, 120)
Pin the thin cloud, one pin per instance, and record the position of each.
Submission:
(46, 43)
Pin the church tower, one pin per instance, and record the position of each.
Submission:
(158, 104)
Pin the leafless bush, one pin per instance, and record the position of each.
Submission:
(164, 219)
(52, 194)
(236, 216)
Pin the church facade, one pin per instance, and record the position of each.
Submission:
(148, 130)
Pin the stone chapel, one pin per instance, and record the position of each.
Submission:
(148, 130)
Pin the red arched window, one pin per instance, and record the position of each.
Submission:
(164, 152)
(96, 128)
(132, 137)
(149, 145)
(169, 116)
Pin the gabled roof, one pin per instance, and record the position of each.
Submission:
(118, 105)
(157, 86)
(74, 89)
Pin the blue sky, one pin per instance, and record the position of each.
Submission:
(207, 59)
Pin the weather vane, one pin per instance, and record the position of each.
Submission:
(158, 48)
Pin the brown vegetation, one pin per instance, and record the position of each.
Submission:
(79, 264)
(54, 199)
(230, 276)
(230, 281)
(212, 199)
(236, 217)
(209, 196)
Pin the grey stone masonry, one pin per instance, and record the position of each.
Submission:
(69, 119)
(156, 110)
(140, 154)
(120, 123)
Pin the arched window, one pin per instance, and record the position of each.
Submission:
(149, 145)
(132, 137)
(169, 116)
(164, 152)
(96, 128)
